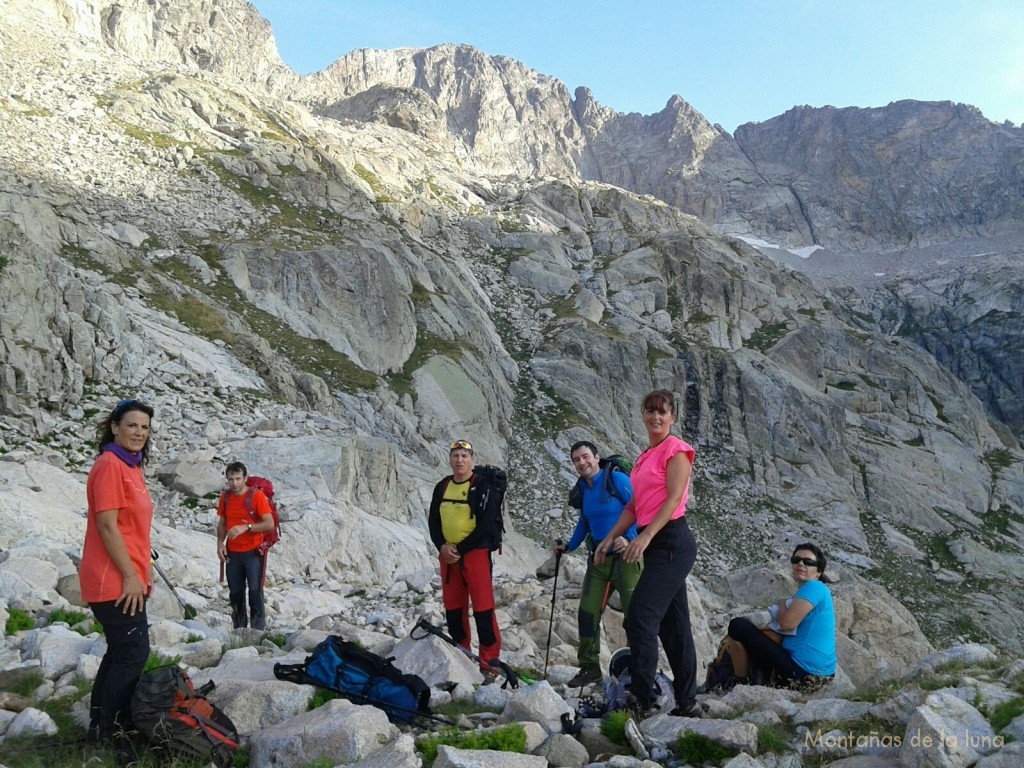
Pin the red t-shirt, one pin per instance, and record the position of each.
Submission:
(236, 514)
(112, 484)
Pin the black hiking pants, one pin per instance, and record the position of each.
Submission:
(110, 710)
(765, 654)
(659, 609)
(244, 572)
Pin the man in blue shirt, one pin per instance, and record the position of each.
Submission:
(602, 493)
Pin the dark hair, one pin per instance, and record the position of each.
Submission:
(818, 555)
(583, 444)
(105, 429)
(657, 399)
(236, 466)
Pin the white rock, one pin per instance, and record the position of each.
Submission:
(31, 722)
(537, 703)
(57, 648)
(449, 757)
(946, 732)
(339, 731)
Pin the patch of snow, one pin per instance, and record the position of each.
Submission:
(806, 251)
(756, 242)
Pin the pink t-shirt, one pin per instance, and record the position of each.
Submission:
(648, 479)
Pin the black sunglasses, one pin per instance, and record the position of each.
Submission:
(805, 560)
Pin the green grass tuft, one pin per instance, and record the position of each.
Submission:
(321, 697)
(765, 337)
(509, 738)
(1004, 712)
(700, 750)
(17, 620)
(773, 738)
(613, 727)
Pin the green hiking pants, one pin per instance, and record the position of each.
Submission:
(598, 583)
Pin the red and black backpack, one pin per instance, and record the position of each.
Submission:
(179, 721)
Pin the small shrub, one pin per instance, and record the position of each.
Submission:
(18, 620)
(509, 738)
(194, 638)
(279, 640)
(613, 727)
(241, 759)
(698, 750)
(1004, 712)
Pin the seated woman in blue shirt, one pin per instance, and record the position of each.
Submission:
(808, 653)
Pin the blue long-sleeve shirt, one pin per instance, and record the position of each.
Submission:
(601, 509)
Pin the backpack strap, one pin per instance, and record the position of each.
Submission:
(250, 505)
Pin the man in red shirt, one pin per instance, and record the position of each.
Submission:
(244, 516)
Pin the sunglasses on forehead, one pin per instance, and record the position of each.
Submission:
(464, 444)
(805, 560)
(126, 405)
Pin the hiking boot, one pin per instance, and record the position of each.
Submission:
(590, 673)
(640, 710)
(125, 755)
(694, 709)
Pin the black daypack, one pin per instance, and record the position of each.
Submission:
(614, 463)
(178, 720)
(362, 677)
(492, 483)
(487, 492)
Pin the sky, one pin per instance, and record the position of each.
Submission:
(735, 61)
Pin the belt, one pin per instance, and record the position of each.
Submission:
(681, 520)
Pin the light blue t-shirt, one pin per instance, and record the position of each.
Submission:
(601, 509)
(813, 646)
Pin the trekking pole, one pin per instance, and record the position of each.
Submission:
(188, 610)
(554, 596)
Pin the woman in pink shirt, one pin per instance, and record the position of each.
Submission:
(115, 575)
(661, 487)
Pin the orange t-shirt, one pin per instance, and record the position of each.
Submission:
(112, 484)
(236, 514)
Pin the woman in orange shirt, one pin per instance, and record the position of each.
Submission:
(115, 574)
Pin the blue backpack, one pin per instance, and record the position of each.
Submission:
(362, 677)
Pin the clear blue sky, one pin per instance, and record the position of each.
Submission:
(734, 60)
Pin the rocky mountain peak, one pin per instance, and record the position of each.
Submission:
(227, 37)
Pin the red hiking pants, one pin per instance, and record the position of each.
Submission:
(469, 580)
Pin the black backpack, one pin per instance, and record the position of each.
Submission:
(614, 463)
(492, 482)
(179, 722)
(362, 677)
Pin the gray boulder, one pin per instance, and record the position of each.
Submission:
(339, 732)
